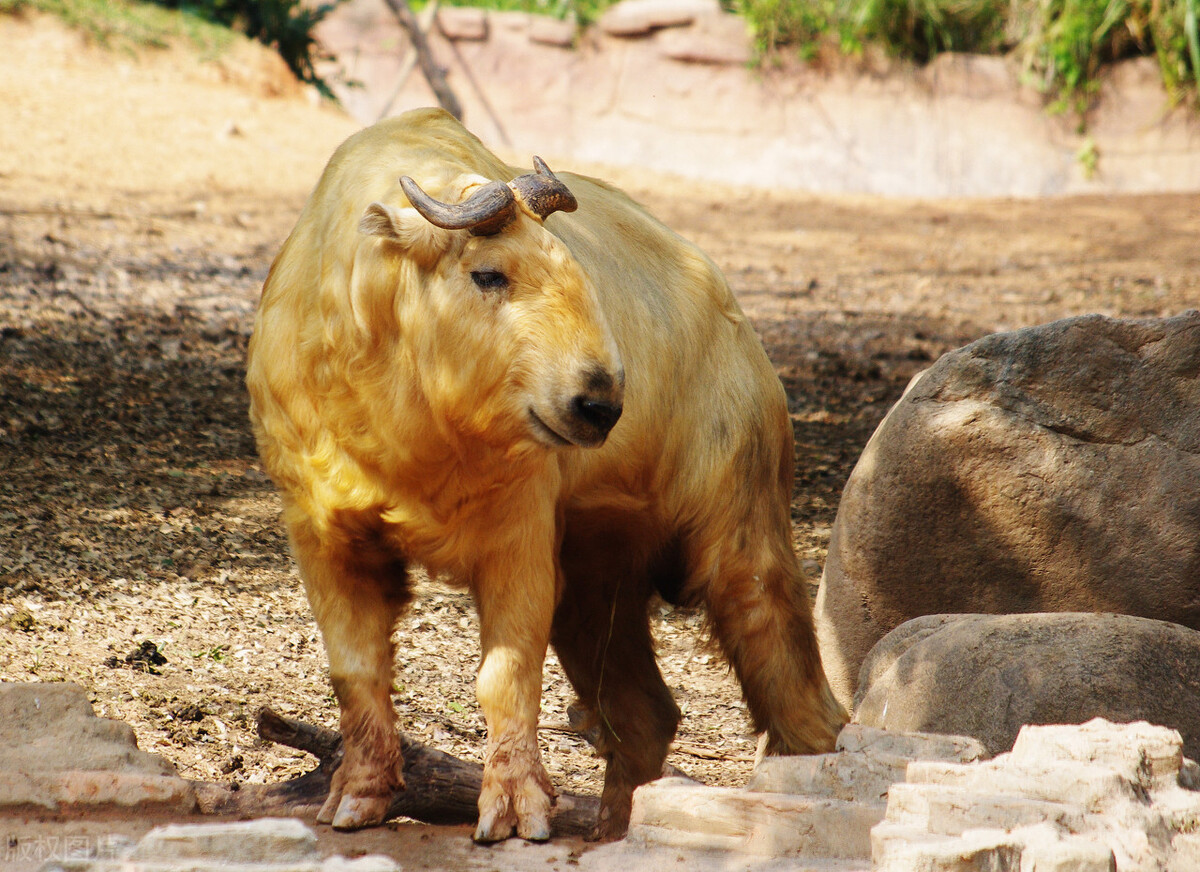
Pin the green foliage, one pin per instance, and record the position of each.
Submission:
(800, 23)
(921, 29)
(1062, 44)
(126, 25)
(1177, 45)
(285, 25)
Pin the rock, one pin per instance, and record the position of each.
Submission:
(711, 39)
(463, 23)
(264, 845)
(871, 742)
(797, 813)
(51, 727)
(987, 675)
(1024, 811)
(1054, 468)
(638, 17)
(553, 31)
(1096, 797)
(678, 813)
(277, 840)
(75, 790)
(867, 762)
(57, 755)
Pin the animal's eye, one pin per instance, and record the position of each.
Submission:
(489, 280)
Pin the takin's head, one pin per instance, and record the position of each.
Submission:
(508, 336)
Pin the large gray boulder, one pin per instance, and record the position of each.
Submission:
(987, 675)
(1054, 468)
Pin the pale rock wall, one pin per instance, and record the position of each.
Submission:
(670, 89)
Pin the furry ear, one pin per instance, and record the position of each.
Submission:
(422, 241)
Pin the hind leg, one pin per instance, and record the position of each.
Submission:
(602, 636)
(761, 616)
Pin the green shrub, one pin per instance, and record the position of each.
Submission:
(1177, 46)
(285, 25)
(124, 25)
(922, 29)
(913, 29)
(803, 24)
(1062, 44)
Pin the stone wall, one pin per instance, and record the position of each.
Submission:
(666, 85)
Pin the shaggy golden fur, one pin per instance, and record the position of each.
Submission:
(409, 416)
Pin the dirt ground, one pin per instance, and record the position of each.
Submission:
(142, 197)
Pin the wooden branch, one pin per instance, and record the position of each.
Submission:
(482, 97)
(709, 753)
(441, 788)
(434, 74)
(425, 20)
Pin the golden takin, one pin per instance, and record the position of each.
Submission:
(566, 413)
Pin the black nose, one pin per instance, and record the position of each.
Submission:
(600, 415)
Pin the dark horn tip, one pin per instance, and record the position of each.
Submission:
(543, 192)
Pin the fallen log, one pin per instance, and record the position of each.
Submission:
(441, 788)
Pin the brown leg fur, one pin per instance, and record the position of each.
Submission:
(515, 599)
(761, 617)
(602, 635)
(356, 604)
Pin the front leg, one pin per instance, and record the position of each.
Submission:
(515, 597)
(356, 601)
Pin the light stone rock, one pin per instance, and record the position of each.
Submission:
(860, 739)
(711, 39)
(945, 810)
(1069, 801)
(678, 813)
(1090, 786)
(900, 849)
(79, 789)
(851, 778)
(463, 23)
(264, 845)
(1050, 469)
(637, 17)
(36, 718)
(265, 840)
(553, 31)
(1144, 754)
(868, 762)
(1069, 854)
(55, 754)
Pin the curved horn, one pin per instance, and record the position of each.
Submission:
(542, 193)
(484, 213)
